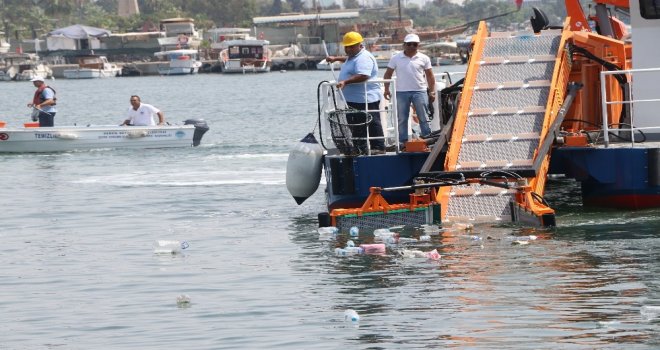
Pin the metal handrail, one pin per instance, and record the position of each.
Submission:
(392, 110)
(605, 103)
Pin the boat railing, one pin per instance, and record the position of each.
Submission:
(332, 101)
(631, 102)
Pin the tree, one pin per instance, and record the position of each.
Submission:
(351, 4)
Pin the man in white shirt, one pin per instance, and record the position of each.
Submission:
(142, 114)
(415, 84)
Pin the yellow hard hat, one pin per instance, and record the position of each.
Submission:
(352, 38)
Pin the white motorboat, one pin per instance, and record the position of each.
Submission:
(32, 138)
(324, 65)
(246, 56)
(22, 67)
(179, 62)
(92, 66)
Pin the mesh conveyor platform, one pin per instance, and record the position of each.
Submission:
(504, 122)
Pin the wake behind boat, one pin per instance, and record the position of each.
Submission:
(31, 138)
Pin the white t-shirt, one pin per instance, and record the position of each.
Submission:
(409, 71)
(144, 115)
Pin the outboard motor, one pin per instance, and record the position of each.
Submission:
(200, 128)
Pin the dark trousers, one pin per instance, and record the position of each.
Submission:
(46, 119)
(375, 127)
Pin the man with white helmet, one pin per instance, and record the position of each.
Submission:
(359, 66)
(415, 84)
(43, 102)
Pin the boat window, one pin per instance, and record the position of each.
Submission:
(256, 52)
(650, 9)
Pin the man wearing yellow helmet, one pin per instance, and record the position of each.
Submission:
(359, 66)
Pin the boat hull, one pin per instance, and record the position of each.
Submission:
(72, 138)
(349, 178)
(623, 178)
(88, 73)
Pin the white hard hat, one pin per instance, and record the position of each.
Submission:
(37, 78)
(411, 38)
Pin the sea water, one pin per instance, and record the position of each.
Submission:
(79, 270)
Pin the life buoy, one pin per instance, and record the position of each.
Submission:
(182, 39)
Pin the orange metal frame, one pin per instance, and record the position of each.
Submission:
(375, 203)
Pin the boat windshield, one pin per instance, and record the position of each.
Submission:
(237, 52)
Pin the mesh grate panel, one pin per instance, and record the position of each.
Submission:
(498, 98)
(474, 206)
(521, 45)
(504, 123)
(519, 71)
(497, 150)
(372, 222)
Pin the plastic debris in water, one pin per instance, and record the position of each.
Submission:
(349, 251)
(351, 315)
(183, 300)
(375, 248)
(424, 238)
(414, 253)
(354, 231)
(170, 247)
(650, 312)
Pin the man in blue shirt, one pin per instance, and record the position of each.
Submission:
(358, 67)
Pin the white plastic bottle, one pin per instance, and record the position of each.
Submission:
(351, 315)
(169, 247)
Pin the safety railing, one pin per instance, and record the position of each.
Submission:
(605, 103)
(333, 102)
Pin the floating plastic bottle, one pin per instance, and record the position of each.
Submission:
(183, 300)
(329, 230)
(348, 251)
(350, 243)
(351, 315)
(414, 253)
(170, 247)
(354, 231)
(382, 232)
(376, 248)
(404, 240)
(424, 238)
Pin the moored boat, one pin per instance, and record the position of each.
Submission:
(246, 56)
(91, 67)
(31, 138)
(179, 62)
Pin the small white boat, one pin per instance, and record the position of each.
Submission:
(92, 66)
(179, 62)
(246, 56)
(31, 138)
(324, 65)
(22, 67)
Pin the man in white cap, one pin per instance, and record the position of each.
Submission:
(43, 102)
(415, 84)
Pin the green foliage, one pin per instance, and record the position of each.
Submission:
(26, 18)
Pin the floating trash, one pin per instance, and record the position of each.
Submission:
(354, 231)
(650, 312)
(414, 253)
(351, 315)
(374, 249)
(170, 247)
(183, 300)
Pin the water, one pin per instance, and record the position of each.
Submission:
(79, 269)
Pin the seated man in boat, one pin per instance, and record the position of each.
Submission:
(142, 114)
(44, 102)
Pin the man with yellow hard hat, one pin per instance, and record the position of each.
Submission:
(358, 67)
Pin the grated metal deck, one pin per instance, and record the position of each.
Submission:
(505, 119)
